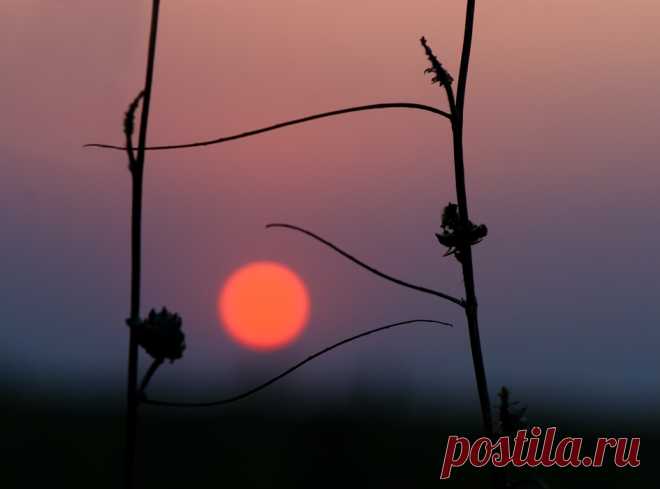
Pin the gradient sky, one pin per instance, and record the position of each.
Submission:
(562, 147)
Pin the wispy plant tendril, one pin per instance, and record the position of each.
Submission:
(373, 270)
(361, 108)
(262, 386)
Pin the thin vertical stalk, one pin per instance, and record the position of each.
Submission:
(137, 173)
(465, 58)
(461, 196)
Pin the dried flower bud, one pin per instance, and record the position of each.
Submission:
(454, 236)
(441, 76)
(160, 335)
(129, 117)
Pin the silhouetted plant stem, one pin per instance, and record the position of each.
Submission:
(131, 395)
(256, 389)
(360, 108)
(465, 58)
(470, 293)
(137, 173)
(157, 362)
(461, 196)
(373, 270)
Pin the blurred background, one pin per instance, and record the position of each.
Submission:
(561, 154)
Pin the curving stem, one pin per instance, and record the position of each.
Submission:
(254, 390)
(461, 196)
(373, 270)
(210, 142)
(147, 377)
(470, 293)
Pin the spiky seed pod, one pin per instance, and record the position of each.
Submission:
(511, 419)
(161, 336)
(441, 76)
(454, 237)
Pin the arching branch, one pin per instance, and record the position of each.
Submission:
(399, 105)
(419, 288)
(149, 374)
(288, 371)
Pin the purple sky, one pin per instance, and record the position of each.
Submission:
(561, 152)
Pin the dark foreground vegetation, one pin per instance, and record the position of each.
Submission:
(368, 442)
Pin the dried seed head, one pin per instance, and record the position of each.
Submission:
(160, 335)
(441, 76)
(454, 236)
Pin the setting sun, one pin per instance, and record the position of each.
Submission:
(264, 305)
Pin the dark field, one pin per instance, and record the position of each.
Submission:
(372, 444)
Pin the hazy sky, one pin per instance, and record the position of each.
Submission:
(562, 165)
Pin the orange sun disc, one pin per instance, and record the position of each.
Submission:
(264, 305)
